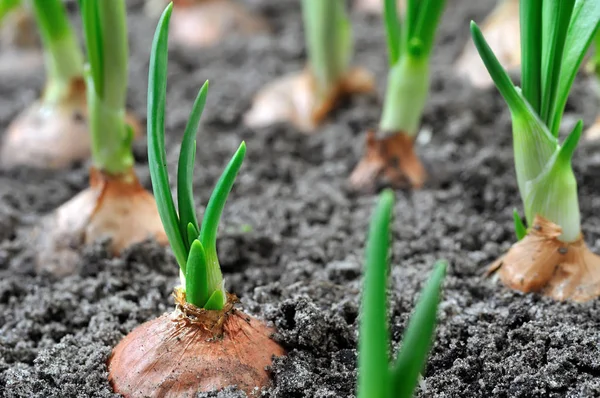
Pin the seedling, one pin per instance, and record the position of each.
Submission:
(51, 132)
(203, 23)
(306, 98)
(376, 378)
(115, 205)
(501, 27)
(205, 343)
(391, 157)
(552, 257)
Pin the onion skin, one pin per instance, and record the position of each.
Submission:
(541, 263)
(115, 207)
(178, 355)
(390, 161)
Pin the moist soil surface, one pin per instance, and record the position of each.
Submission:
(292, 235)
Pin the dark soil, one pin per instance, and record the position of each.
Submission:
(292, 236)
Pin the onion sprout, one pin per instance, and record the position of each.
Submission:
(194, 246)
(328, 34)
(376, 378)
(64, 60)
(555, 37)
(409, 45)
(105, 28)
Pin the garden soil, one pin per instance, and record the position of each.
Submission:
(292, 236)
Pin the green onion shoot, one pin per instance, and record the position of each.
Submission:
(52, 133)
(306, 98)
(377, 378)
(205, 344)
(389, 156)
(116, 205)
(552, 258)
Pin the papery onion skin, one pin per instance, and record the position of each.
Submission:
(178, 355)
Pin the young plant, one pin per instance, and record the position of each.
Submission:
(115, 206)
(501, 27)
(203, 23)
(306, 98)
(52, 132)
(552, 258)
(376, 378)
(205, 344)
(391, 157)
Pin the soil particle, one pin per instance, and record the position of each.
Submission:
(292, 236)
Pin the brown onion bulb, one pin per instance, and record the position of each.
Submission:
(193, 350)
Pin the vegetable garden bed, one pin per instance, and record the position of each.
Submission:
(291, 240)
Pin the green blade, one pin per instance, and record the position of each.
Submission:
(499, 76)
(392, 30)
(418, 336)
(196, 282)
(212, 216)
(373, 357)
(216, 301)
(556, 17)
(157, 157)
(328, 38)
(520, 228)
(92, 29)
(185, 168)
(530, 13)
(430, 12)
(584, 23)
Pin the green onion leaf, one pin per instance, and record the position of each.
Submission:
(63, 57)
(584, 23)
(328, 35)
(429, 14)
(556, 17)
(418, 336)
(499, 76)
(520, 228)
(217, 300)
(212, 216)
(196, 283)
(185, 168)
(157, 157)
(392, 30)
(531, 52)
(373, 358)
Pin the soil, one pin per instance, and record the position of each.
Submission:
(292, 235)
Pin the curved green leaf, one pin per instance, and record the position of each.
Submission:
(520, 228)
(418, 336)
(196, 282)
(157, 162)
(584, 23)
(392, 30)
(185, 168)
(373, 357)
